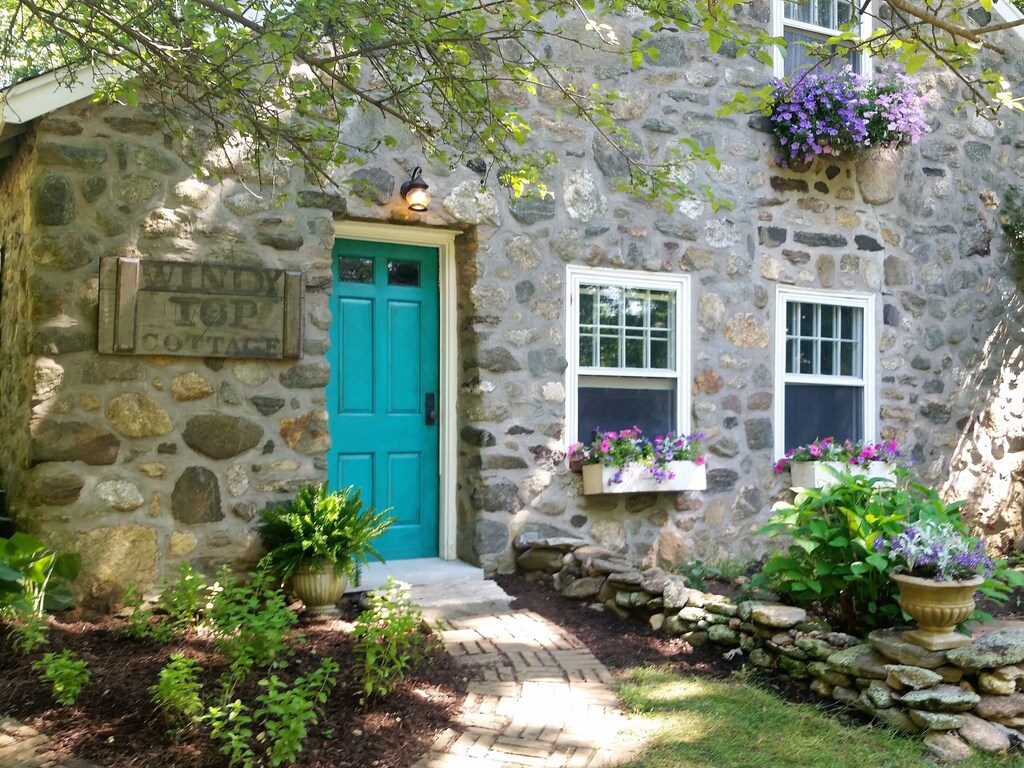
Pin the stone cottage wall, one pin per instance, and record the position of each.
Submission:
(140, 462)
(947, 324)
(16, 312)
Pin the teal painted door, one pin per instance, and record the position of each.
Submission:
(383, 398)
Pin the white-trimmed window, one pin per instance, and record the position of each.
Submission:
(813, 21)
(628, 352)
(825, 377)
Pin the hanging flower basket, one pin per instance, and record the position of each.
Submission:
(637, 478)
(817, 112)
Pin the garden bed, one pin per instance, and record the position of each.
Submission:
(115, 723)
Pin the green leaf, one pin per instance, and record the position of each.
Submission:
(915, 62)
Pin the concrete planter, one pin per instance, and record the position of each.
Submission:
(816, 474)
(317, 585)
(937, 607)
(636, 478)
(878, 174)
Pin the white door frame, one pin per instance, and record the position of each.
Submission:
(444, 241)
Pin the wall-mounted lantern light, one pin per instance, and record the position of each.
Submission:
(415, 191)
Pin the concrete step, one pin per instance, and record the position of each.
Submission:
(459, 599)
(416, 572)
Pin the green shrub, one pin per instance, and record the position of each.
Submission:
(231, 724)
(184, 598)
(389, 638)
(831, 565)
(32, 578)
(287, 712)
(28, 632)
(177, 693)
(251, 624)
(66, 672)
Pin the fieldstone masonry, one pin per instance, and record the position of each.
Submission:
(965, 699)
(205, 443)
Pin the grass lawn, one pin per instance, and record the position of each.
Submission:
(701, 723)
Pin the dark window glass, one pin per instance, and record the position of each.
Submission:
(611, 408)
(355, 270)
(814, 411)
(404, 273)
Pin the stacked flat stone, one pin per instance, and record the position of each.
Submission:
(965, 699)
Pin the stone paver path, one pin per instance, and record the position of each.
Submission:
(24, 747)
(545, 699)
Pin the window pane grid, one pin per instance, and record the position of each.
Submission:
(626, 328)
(824, 340)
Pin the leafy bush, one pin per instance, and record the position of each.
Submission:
(184, 598)
(389, 638)
(287, 712)
(833, 564)
(334, 527)
(177, 694)
(28, 632)
(32, 578)
(66, 672)
(251, 624)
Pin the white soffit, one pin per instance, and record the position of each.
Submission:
(1008, 12)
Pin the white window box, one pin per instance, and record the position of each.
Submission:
(813, 474)
(637, 478)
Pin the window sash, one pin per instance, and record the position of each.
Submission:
(624, 328)
(658, 395)
(824, 340)
(824, 15)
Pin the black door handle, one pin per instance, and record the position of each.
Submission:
(430, 408)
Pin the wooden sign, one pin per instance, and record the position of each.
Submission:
(150, 307)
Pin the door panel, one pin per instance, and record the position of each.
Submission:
(384, 362)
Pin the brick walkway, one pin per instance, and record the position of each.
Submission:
(545, 700)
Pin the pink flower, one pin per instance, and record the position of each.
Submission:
(814, 450)
(605, 445)
(700, 460)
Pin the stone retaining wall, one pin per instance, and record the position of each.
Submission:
(963, 699)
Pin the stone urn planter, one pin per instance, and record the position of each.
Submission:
(637, 478)
(819, 474)
(937, 607)
(317, 585)
(878, 174)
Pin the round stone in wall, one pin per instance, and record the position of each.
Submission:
(221, 437)
(73, 441)
(196, 497)
(120, 494)
(190, 386)
(135, 415)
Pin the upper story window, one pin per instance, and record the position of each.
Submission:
(813, 21)
(825, 355)
(627, 352)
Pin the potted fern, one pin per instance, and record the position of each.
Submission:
(320, 540)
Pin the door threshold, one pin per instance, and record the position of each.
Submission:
(417, 572)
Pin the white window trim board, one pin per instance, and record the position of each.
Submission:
(869, 304)
(577, 275)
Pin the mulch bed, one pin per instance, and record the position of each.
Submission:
(114, 722)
